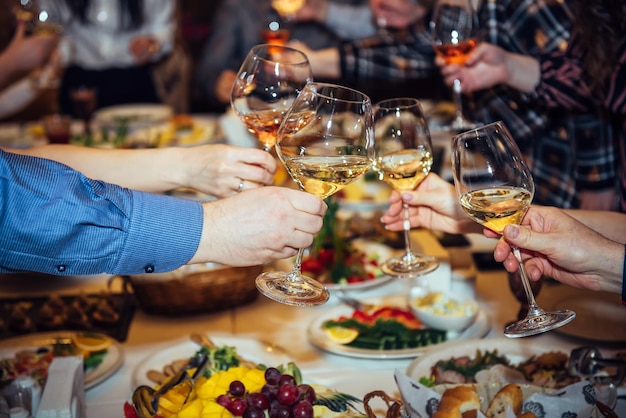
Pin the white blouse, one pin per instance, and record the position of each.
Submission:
(102, 43)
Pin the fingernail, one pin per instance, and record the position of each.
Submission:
(407, 196)
(512, 231)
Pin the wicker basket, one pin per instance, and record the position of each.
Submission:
(195, 289)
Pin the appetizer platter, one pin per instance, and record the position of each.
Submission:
(386, 330)
(218, 379)
(32, 354)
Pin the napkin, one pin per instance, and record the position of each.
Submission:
(578, 399)
(64, 393)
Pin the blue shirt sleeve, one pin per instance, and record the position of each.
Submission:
(55, 220)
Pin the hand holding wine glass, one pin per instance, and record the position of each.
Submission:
(267, 83)
(495, 188)
(403, 159)
(453, 30)
(326, 142)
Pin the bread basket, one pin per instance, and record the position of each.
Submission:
(195, 288)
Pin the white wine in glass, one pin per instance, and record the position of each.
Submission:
(403, 159)
(326, 142)
(269, 80)
(287, 8)
(495, 188)
(453, 29)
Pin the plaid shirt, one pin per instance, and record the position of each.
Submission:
(564, 84)
(568, 151)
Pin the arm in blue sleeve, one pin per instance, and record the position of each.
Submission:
(55, 220)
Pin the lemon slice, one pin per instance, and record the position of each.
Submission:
(91, 342)
(341, 335)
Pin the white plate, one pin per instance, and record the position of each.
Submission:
(204, 131)
(368, 247)
(317, 335)
(247, 348)
(137, 114)
(111, 362)
(599, 315)
(516, 350)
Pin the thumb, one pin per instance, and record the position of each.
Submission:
(523, 237)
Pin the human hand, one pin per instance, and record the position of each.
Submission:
(259, 225)
(143, 48)
(433, 205)
(486, 67)
(396, 14)
(28, 53)
(218, 169)
(556, 245)
(224, 86)
(313, 10)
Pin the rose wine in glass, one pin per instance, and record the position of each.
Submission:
(403, 159)
(269, 80)
(326, 142)
(453, 26)
(495, 189)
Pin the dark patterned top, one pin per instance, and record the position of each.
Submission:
(568, 151)
(564, 84)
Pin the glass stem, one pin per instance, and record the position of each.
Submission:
(458, 103)
(533, 309)
(295, 272)
(407, 229)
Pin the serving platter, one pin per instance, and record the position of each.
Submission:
(318, 337)
(248, 348)
(203, 130)
(141, 114)
(111, 362)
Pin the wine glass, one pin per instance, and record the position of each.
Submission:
(495, 189)
(267, 83)
(453, 26)
(326, 142)
(287, 8)
(403, 159)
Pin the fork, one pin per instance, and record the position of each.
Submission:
(354, 303)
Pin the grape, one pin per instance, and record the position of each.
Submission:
(286, 378)
(307, 393)
(252, 412)
(237, 388)
(280, 411)
(224, 400)
(272, 376)
(238, 407)
(269, 391)
(303, 409)
(287, 394)
(258, 400)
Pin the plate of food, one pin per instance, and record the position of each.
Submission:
(237, 374)
(136, 115)
(355, 333)
(103, 356)
(358, 268)
(249, 349)
(179, 130)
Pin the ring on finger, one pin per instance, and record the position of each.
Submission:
(240, 187)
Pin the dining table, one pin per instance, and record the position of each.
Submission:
(285, 329)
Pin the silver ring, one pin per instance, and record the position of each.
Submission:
(240, 187)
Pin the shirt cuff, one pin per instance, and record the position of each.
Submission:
(164, 234)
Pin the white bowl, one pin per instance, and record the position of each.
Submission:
(442, 311)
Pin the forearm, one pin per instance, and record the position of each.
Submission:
(610, 224)
(150, 170)
(524, 72)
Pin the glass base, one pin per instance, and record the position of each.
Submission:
(410, 265)
(292, 289)
(536, 324)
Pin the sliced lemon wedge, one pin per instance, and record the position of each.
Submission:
(341, 335)
(91, 343)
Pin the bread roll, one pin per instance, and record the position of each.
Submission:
(510, 395)
(456, 401)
